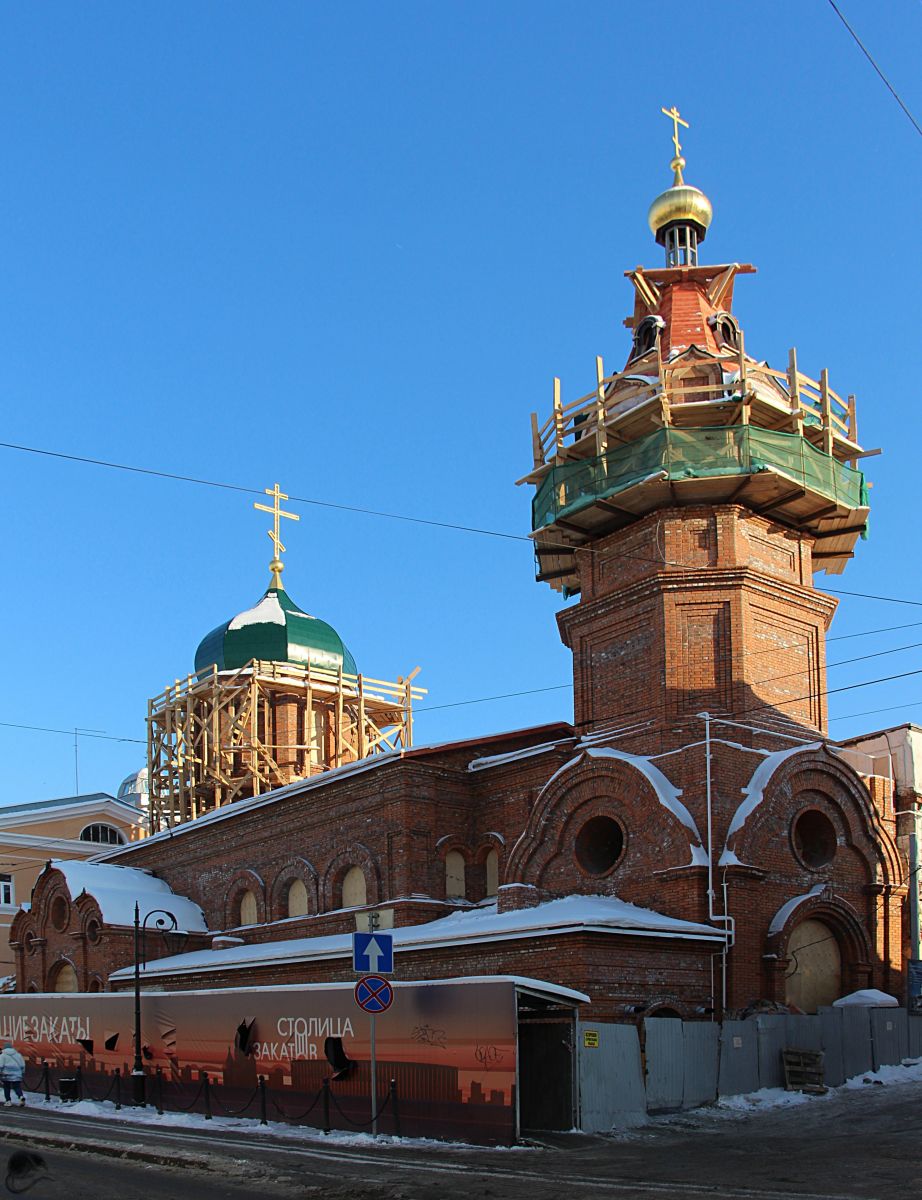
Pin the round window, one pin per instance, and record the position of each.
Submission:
(599, 845)
(814, 838)
(59, 913)
(92, 931)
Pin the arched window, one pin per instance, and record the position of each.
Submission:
(492, 869)
(107, 834)
(814, 976)
(249, 910)
(454, 875)
(66, 979)
(297, 899)
(354, 892)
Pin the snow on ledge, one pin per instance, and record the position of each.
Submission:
(780, 919)
(755, 789)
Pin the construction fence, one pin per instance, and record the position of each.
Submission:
(626, 1073)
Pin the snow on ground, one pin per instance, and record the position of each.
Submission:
(106, 1110)
(726, 1108)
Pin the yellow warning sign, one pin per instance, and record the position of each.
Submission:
(591, 1039)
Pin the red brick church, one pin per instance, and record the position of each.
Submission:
(693, 843)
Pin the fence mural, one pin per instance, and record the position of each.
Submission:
(445, 1052)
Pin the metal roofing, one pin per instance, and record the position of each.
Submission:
(274, 630)
(61, 802)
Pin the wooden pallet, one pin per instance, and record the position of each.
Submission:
(804, 1071)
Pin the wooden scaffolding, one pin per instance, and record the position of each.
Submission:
(234, 734)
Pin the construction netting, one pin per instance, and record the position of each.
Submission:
(677, 454)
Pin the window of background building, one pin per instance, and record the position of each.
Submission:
(6, 889)
(106, 834)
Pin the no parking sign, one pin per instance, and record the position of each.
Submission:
(374, 994)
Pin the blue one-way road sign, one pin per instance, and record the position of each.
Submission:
(373, 952)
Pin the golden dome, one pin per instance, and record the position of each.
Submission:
(681, 202)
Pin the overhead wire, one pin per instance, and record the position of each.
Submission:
(864, 50)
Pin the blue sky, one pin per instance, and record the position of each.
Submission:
(348, 247)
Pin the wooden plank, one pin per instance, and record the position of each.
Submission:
(601, 434)
(825, 411)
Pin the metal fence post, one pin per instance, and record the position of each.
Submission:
(118, 1088)
(160, 1091)
(263, 1119)
(46, 1079)
(326, 1106)
(78, 1080)
(394, 1108)
(206, 1092)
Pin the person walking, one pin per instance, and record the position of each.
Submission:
(12, 1069)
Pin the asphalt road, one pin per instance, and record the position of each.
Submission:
(861, 1145)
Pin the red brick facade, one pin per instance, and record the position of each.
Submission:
(695, 783)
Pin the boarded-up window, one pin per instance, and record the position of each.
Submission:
(492, 867)
(66, 979)
(297, 899)
(454, 875)
(354, 893)
(249, 912)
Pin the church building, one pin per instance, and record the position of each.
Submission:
(691, 844)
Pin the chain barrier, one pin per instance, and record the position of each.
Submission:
(89, 1095)
(297, 1116)
(195, 1099)
(233, 1112)
(371, 1119)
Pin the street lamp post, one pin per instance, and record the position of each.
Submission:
(166, 921)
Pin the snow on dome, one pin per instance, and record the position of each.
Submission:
(117, 889)
(267, 612)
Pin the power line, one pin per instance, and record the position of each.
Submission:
(103, 737)
(870, 596)
(889, 86)
(870, 712)
(352, 508)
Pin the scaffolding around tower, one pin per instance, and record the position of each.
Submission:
(229, 735)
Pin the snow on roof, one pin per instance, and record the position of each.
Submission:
(572, 914)
(779, 920)
(498, 760)
(117, 889)
(755, 789)
(267, 612)
(666, 791)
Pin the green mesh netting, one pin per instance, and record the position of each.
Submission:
(695, 454)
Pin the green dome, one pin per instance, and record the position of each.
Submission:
(274, 630)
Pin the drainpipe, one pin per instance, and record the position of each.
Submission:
(723, 918)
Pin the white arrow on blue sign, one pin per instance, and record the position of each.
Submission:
(373, 953)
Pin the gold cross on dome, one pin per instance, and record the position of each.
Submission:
(673, 115)
(277, 512)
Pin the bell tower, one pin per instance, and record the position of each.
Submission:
(688, 501)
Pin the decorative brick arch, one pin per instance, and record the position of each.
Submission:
(61, 963)
(616, 787)
(355, 855)
(244, 881)
(295, 868)
(846, 925)
(828, 784)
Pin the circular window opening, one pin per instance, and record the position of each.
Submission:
(599, 844)
(92, 931)
(814, 839)
(59, 913)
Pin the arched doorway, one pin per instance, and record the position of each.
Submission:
(814, 974)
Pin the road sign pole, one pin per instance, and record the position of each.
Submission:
(374, 1081)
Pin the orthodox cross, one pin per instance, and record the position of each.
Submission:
(277, 512)
(673, 115)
